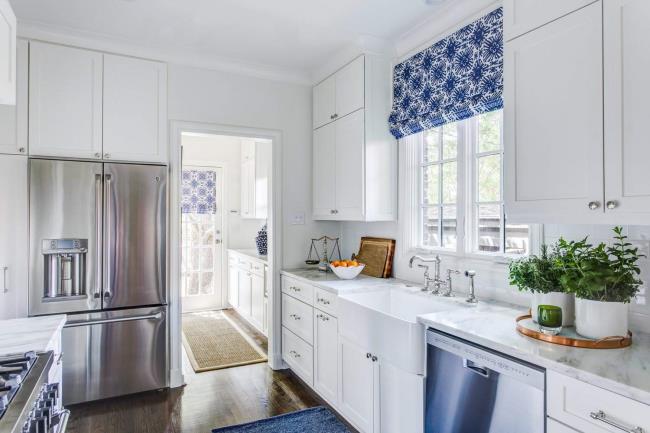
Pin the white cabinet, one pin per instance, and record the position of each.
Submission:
(255, 163)
(257, 300)
(14, 235)
(135, 109)
(326, 356)
(522, 16)
(324, 101)
(354, 155)
(13, 118)
(247, 287)
(65, 101)
(7, 54)
(245, 295)
(553, 90)
(358, 386)
(233, 285)
(553, 426)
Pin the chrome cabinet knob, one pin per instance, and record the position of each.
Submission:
(374, 358)
(21, 149)
(368, 355)
(98, 155)
(612, 204)
(593, 205)
(107, 155)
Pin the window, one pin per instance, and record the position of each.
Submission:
(460, 180)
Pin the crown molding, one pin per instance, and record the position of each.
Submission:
(186, 57)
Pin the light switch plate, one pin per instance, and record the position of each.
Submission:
(297, 219)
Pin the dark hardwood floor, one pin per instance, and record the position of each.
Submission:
(209, 400)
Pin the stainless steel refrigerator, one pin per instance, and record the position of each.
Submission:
(98, 252)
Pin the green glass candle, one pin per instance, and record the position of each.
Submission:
(550, 319)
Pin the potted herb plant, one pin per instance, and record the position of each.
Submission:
(540, 275)
(604, 280)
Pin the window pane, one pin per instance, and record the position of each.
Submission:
(489, 131)
(430, 221)
(194, 259)
(489, 178)
(449, 182)
(431, 184)
(431, 152)
(449, 141)
(516, 239)
(489, 227)
(449, 227)
(206, 283)
(207, 234)
(193, 284)
(206, 259)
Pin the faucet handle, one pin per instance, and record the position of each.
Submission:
(452, 271)
(470, 273)
(471, 299)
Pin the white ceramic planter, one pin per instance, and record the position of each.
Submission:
(566, 301)
(596, 319)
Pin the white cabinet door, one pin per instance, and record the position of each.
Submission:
(324, 172)
(13, 118)
(245, 294)
(349, 171)
(357, 382)
(350, 88)
(326, 347)
(65, 101)
(627, 178)
(248, 189)
(14, 238)
(257, 301)
(324, 100)
(135, 109)
(233, 286)
(554, 120)
(521, 16)
(401, 398)
(7, 54)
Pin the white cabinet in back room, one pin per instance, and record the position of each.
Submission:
(135, 109)
(522, 16)
(13, 118)
(257, 300)
(14, 234)
(65, 101)
(255, 162)
(245, 295)
(7, 54)
(233, 285)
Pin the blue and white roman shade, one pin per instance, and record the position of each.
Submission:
(458, 77)
(199, 190)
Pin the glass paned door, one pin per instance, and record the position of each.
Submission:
(201, 238)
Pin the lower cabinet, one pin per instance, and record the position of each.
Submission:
(257, 300)
(326, 361)
(248, 286)
(233, 286)
(358, 386)
(245, 295)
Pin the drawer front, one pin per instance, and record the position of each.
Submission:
(299, 355)
(244, 264)
(325, 301)
(298, 317)
(257, 268)
(578, 404)
(298, 289)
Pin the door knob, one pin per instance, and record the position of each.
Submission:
(612, 204)
(593, 205)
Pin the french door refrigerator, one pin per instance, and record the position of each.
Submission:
(98, 252)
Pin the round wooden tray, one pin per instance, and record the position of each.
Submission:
(568, 336)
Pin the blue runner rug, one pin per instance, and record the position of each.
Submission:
(314, 420)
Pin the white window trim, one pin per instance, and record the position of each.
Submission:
(410, 212)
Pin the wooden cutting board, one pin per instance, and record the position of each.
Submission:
(377, 254)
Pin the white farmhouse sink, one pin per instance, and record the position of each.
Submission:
(384, 322)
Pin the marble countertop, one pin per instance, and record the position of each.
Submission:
(250, 253)
(491, 324)
(29, 333)
(330, 282)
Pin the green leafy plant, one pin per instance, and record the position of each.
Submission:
(601, 272)
(537, 274)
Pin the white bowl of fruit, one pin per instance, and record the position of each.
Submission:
(346, 269)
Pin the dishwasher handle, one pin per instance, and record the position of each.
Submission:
(478, 369)
(76, 323)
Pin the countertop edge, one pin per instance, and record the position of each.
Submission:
(249, 254)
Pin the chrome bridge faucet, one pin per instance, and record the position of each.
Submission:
(436, 281)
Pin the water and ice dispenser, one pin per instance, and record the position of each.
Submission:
(65, 268)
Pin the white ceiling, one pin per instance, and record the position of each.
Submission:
(297, 35)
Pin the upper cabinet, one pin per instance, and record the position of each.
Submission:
(522, 16)
(339, 94)
(86, 104)
(255, 163)
(7, 54)
(13, 118)
(354, 154)
(575, 92)
(135, 109)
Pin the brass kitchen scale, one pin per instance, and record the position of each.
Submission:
(323, 261)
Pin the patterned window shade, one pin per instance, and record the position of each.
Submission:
(458, 77)
(199, 190)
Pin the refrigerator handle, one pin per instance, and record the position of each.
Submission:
(107, 241)
(76, 323)
(98, 235)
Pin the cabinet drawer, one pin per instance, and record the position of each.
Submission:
(243, 264)
(298, 290)
(573, 402)
(298, 317)
(325, 301)
(257, 268)
(299, 355)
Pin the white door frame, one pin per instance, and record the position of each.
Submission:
(274, 247)
(224, 226)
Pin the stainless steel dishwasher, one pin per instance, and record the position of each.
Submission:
(472, 389)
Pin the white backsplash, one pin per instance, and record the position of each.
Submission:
(492, 278)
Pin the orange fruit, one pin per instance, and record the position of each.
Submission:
(343, 264)
(336, 263)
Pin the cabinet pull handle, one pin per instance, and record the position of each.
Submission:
(21, 149)
(374, 358)
(294, 316)
(323, 301)
(602, 417)
(295, 354)
(98, 155)
(323, 317)
(612, 204)
(368, 355)
(593, 205)
(5, 289)
(294, 288)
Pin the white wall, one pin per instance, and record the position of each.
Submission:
(201, 95)
(225, 152)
